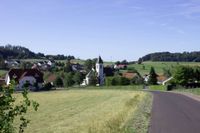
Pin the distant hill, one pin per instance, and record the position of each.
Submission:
(178, 57)
(19, 52)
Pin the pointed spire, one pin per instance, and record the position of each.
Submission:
(99, 60)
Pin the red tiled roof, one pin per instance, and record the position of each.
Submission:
(17, 74)
(161, 78)
(121, 65)
(129, 75)
(51, 78)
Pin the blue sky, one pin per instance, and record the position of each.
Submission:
(114, 29)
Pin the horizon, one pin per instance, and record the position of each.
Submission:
(115, 29)
(101, 55)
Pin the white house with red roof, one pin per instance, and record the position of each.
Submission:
(33, 77)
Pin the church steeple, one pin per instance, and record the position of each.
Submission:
(99, 60)
(99, 70)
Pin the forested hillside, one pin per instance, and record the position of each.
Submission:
(167, 56)
(19, 52)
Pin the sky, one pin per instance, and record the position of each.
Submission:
(114, 29)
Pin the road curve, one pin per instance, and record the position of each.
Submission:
(174, 113)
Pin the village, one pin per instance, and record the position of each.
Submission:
(99, 66)
(48, 74)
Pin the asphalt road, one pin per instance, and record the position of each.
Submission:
(174, 113)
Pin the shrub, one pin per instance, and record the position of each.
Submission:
(137, 80)
(48, 86)
(124, 81)
(170, 87)
(10, 110)
(117, 80)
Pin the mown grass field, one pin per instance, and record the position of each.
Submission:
(90, 111)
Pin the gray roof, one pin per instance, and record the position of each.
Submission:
(99, 60)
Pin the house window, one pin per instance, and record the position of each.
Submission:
(14, 76)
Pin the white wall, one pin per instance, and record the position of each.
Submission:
(7, 80)
(100, 73)
(25, 79)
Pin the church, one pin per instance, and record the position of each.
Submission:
(98, 71)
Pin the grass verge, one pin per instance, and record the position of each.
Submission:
(195, 91)
(157, 87)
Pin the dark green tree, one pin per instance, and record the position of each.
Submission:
(88, 65)
(152, 77)
(184, 75)
(2, 63)
(140, 61)
(78, 78)
(137, 80)
(197, 73)
(116, 80)
(68, 67)
(68, 80)
(58, 82)
(167, 72)
(117, 63)
(124, 81)
(93, 79)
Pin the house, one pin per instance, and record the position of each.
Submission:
(51, 63)
(12, 63)
(99, 71)
(33, 77)
(77, 67)
(161, 79)
(146, 78)
(86, 81)
(167, 80)
(44, 65)
(120, 66)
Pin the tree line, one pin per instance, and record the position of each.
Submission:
(167, 56)
(19, 52)
(187, 76)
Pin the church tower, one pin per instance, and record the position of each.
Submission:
(99, 70)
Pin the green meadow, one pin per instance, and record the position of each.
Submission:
(145, 67)
(3, 72)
